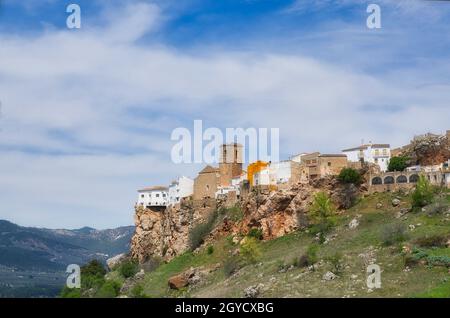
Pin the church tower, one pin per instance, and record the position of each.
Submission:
(230, 164)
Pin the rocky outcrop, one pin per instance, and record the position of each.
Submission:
(276, 213)
(165, 233)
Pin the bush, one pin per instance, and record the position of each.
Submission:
(128, 268)
(309, 258)
(92, 275)
(322, 208)
(200, 231)
(439, 207)
(336, 262)
(350, 175)
(230, 266)
(255, 233)
(210, 250)
(138, 291)
(393, 233)
(110, 289)
(250, 250)
(423, 194)
(432, 241)
(398, 163)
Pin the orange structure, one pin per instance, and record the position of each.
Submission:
(254, 168)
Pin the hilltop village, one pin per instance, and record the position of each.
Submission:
(230, 180)
(275, 197)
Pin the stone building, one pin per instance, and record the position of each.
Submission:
(317, 165)
(230, 163)
(206, 183)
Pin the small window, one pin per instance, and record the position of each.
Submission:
(329, 164)
(157, 195)
(142, 196)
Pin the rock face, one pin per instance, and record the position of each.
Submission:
(116, 260)
(165, 233)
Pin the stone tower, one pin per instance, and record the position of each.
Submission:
(230, 163)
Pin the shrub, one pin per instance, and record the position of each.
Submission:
(398, 163)
(250, 250)
(423, 194)
(210, 250)
(152, 263)
(336, 262)
(322, 208)
(309, 258)
(110, 289)
(432, 241)
(128, 268)
(255, 233)
(439, 207)
(200, 231)
(137, 291)
(230, 266)
(350, 175)
(393, 233)
(93, 268)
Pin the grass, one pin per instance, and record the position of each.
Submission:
(350, 244)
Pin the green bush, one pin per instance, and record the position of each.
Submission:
(255, 233)
(231, 265)
(138, 291)
(423, 194)
(393, 233)
(350, 175)
(128, 268)
(210, 250)
(200, 231)
(309, 258)
(110, 289)
(398, 163)
(432, 241)
(336, 262)
(250, 250)
(322, 208)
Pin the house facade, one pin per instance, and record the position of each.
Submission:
(206, 183)
(275, 173)
(156, 196)
(181, 188)
(316, 165)
(379, 154)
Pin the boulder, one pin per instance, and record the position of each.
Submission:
(329, 276)
(116, 260)
(178, 281)
(353, 224)
(253, 291)
(396, 202)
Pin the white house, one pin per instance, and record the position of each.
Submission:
(373, 153)
(235, 186)
(180, 188)
(156, 196)
(275, 173)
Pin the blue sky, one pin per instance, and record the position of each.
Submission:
(87, 114)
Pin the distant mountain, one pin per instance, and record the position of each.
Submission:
(33, 260)
(36, 248)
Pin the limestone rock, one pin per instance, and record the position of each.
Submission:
(116, 260)
(178, 281)
(396, 202)
(353, 224)
(329, 276)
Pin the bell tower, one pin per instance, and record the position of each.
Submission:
(230, 164)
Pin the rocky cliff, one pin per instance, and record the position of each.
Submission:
(166, 233)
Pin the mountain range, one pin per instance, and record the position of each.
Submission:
(37, 255)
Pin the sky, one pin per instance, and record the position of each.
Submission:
(87, 114)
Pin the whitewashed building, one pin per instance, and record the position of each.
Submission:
(156, 196)
(181, 188)
(379, 154)
(276, 173)
(446, 170)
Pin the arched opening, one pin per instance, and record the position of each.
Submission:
(413, 178)
(389, 180)
(377, 180)
(402, 179)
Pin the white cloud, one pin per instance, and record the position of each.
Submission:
(107, 104)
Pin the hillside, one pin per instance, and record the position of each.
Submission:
(31, 257)
(410, 245)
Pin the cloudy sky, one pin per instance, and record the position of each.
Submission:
(86, 115)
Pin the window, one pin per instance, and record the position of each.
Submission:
(384, 152)
(377, 152)
(164, 195)
(157, 195)
(142, 196)
(329, 164)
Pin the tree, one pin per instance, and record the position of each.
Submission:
(423, 194)
(350, 175)
(398, 163)
(322, 207)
